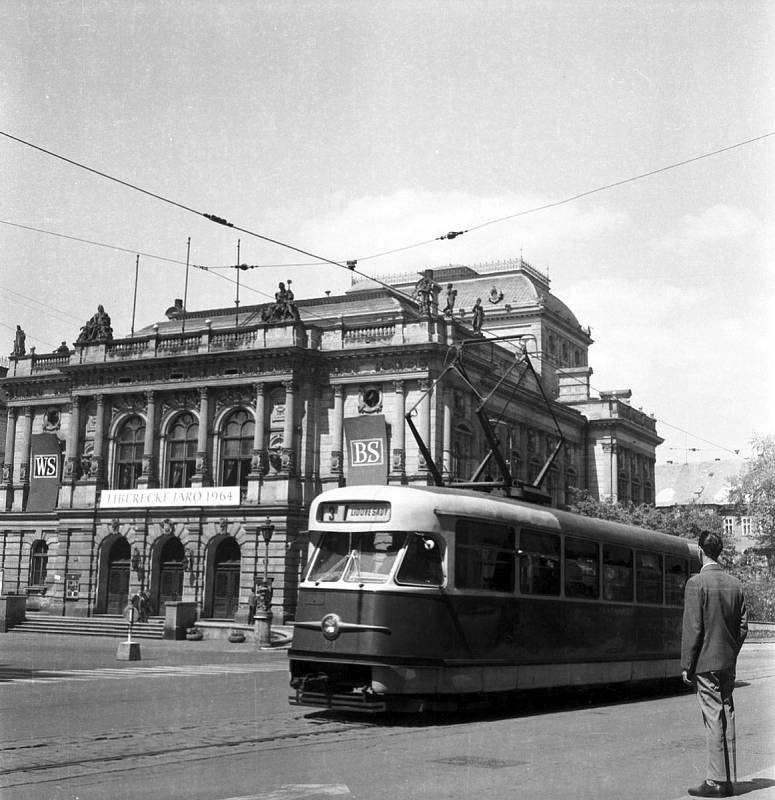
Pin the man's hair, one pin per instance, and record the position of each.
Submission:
(711, 544)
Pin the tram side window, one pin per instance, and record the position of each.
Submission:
(484, 556)
(422, 564)
(676, 571)
(617, 573)
(582, 570)
(539, 565)
(648, 577)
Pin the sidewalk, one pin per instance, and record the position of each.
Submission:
(57, 651)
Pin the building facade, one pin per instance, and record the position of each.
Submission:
(181, 461)
(707, 485)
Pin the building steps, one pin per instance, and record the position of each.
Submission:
(103, 625)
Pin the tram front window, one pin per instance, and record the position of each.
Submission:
(366, 557)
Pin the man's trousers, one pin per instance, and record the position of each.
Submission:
(714, 694)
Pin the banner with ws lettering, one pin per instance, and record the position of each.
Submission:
(367, 450)
(45, 471)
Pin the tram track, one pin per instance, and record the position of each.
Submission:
(113, 752)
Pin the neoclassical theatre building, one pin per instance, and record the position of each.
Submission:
(181, 461)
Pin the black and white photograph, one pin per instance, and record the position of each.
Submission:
(386, 399)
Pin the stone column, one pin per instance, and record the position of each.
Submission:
(424, 421)
(71, 460)
(96, 470)
(6, 490)
(24, 463)
(398, 463)
(259, 443)
(148, 477)
(289, 443)
(612, 477)
(200, 477)
(337, 445)
(10, 440)
(446, 443)
(258, 456)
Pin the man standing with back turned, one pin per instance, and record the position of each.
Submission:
(714, 629)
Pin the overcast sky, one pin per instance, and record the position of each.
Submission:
(348, 129)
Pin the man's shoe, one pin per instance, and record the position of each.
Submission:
(712, 789)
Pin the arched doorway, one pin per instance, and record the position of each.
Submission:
(226, 579)
(170, 583)
(118, 576)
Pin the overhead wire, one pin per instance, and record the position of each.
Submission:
(350, 264)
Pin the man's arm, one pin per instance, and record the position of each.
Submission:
(693, 628)
(743, 630)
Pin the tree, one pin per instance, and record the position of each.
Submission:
(754, 495)
(685, 521)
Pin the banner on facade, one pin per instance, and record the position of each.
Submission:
(45, 471)
(367, 449)
(156, 498)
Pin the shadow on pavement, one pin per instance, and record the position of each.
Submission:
(753, 785)
(521, 704)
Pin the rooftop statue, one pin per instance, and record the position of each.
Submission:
(451, 297)
(97, 329)
(19, 348)
(478, 318)
(283, 307)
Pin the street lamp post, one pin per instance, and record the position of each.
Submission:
(263, 619)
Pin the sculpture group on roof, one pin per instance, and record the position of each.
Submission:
(283, 308)
(97, 329)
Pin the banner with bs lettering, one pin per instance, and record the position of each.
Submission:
(367, 450)
(45, 471)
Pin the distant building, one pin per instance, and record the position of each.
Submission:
(705, 484)
(160, 461)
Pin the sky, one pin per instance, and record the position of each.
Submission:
(366, 130)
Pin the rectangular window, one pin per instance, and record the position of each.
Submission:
(582, 569)
(648, 578)
(539, 564)
(745, 526)
(676, 572)
(484, 556)
(729, 525)
(617, 574)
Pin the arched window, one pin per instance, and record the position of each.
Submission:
(181, 451)
(129, 453)
(236, 449)
(38, 563)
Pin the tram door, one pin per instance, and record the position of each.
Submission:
(170, 574)
(118, 577)
(226, 580)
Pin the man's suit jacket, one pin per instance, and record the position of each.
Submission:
(715, 621)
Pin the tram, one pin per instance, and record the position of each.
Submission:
(435, 597)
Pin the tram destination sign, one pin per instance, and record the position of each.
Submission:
(156, 498)
(354, 512)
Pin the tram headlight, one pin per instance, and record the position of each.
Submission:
(330, 626)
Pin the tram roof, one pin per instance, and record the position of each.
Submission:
(470, 503)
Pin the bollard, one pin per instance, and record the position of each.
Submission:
(263, 628)
(129, 650)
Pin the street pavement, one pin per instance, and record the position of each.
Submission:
(41, 659)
